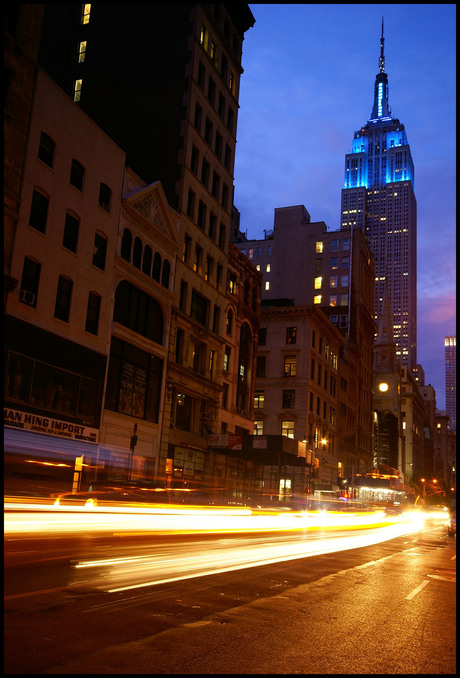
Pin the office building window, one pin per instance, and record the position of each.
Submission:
(81, 51)
(199, 308)
(227, 358)
(194, 160)
(333, 300)
(333, 281)
(205, 173)
(63, 298)
(218, 145)
(46, 149)
(317, 299)
(290, 365)
(77, 173)
(212, 226)
(345, 262)
(134, 381)
(77, 86)
(318, 282)
(258, 428)
(319, 246)
(29, 282)
(291, 335)
(288, 399)
(259, 399)
(201, 74)
(138, 311)
(201, 215)
(71, 228)
(198, 117)
(38, 211)
(92, 313)
(105, 196)
(204, 36)
(344, 281)
(197, 264)
(262, 337)
(261, 366)
(225, 196)
(100, 251)
(334, 262)
(287, 429)
(215, 185)
(191, 204)
(85, 14)
(211, 91)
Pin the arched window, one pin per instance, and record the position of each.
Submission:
(165, 273)
(147, 260)
(137, 252)
(229, 321)
(156, 269)
(126, 244)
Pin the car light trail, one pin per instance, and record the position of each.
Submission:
(246, 541)
(122, 574)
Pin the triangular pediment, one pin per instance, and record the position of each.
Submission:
(151, 203)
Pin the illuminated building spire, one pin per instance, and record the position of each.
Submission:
(381, 107)
(382, 55)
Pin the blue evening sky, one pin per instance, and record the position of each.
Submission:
(308, 85)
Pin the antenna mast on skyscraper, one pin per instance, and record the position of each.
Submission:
(382, 55)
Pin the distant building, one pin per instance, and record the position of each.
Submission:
(303, 264)
(450, 348)
(378, 197)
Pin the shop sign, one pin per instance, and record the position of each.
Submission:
(228, 441)
(44, 424)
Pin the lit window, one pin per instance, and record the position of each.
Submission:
(317, 299)
(258, 267)
(213, 51)
(333, 300)
(318, 282)
(204, 36)
(267, 285)
(81, 51)
(258, 428)
(85, 13)
(333, 281)
(319, 246)
(287, 429)
(267, 268)
(251, 254)
(259, 398)
(290, 365)
(77, 90)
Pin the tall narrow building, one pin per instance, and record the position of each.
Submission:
(450, 348)
(378, 197)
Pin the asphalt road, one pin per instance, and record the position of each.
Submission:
(384, 608)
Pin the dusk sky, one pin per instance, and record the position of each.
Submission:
(308, 85)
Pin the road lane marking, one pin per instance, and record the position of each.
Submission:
(417, 590)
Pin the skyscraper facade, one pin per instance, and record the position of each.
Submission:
(378, 197)
(450, 348)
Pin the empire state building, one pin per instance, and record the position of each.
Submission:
(378, 197)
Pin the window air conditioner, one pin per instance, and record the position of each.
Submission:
(27, 297)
